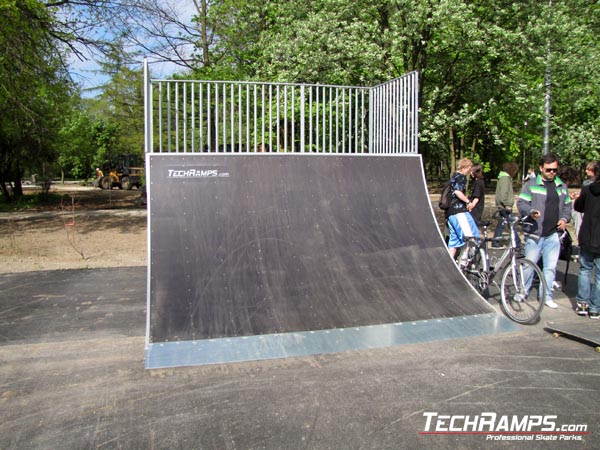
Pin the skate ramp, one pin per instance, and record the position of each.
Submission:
(258, 256)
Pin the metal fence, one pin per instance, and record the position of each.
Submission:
(233, 116)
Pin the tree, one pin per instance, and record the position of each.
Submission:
(33, 91)
(121, 101)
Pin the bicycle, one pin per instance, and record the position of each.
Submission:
(522, 288)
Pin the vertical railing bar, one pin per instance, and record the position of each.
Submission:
(293, 109)
(389, 100)
(285, 118)
(302, 117)
(387, 126)
(415, 109)
(224, 146)
(397, 117)
(380, 120)
(310, 117)
(160, 117)
(344, 137)
(362, 121)
(240, 125)
(169, 119)
(375, 116)
(330, 89)
(192, 117)
(262, 116)
(337, 120)
(324, 128)
(255, 120)
(209, 119)
(383, 123)
(374, 107)
(176, 117)
(397, 112)
(271, 117)
(386, 116)
(405, 107)
(216, 117)
(277, 121)
(406, 147)
(393, 118)
(402, 113)
(356, 121)
(201, 116)
(317, 114)
(185, 117)
(248, 148)
(232, 117)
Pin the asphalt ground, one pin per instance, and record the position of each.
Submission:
(72, 376)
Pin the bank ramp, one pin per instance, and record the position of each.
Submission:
(259, 256)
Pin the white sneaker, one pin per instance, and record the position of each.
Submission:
(551, 304)
(519, 298)
(556, 286)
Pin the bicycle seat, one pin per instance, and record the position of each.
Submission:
(484, 223)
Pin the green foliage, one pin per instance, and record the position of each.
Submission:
(30, 201)
(110, 124)
(34, 91)
(87, 143)
(482, 64)
(482, 68)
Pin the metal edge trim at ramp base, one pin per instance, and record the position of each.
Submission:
(283, 345)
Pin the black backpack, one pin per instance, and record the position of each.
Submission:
(566, 245)
(446, 196)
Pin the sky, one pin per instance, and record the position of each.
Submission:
(87, 74)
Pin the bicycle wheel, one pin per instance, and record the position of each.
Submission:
(475, 267)
(523, 291)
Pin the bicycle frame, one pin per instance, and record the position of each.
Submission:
(516, 285)
(507, 256)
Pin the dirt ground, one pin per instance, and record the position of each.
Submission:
(92, 228)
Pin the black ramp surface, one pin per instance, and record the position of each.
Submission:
(246, 245)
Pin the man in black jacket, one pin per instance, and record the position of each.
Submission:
(588, 203)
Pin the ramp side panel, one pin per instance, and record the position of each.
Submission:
(245, 245)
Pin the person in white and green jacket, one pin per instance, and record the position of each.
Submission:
(505, 198)
(546, 205)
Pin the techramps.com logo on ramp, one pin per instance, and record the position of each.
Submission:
(196, 173)
(496, 427)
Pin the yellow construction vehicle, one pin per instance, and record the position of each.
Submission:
(124, 172)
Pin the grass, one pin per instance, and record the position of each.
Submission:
(31, 201)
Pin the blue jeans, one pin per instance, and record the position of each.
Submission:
(589, 261)
(548, 248)
(504, 214)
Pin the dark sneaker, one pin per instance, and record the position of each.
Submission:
(582, 309)
(594, 315)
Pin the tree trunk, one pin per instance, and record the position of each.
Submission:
(5, 192)
(452, 151)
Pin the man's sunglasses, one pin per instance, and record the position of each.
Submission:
(551, 170)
